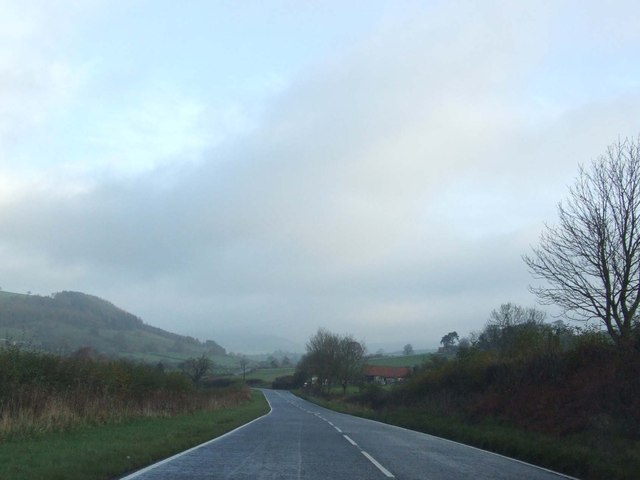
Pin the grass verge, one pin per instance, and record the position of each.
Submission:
(110, 451)
(580, 455)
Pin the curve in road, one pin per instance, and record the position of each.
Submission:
(300, 440)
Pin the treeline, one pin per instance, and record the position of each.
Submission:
(74, 308)
(570, 384)
(545, 377)
(42, 392)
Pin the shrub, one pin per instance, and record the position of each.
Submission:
(286, 382)
(42, 392)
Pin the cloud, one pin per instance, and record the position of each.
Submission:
(387, 191)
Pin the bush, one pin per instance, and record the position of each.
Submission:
(286, 382)
(42, 392)
(371, 395)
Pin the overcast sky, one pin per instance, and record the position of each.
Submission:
(250, 171)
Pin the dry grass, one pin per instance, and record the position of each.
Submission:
(42, 393)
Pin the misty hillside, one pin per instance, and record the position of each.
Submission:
(67, 321)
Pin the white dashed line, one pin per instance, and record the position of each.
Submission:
(377, 464)
(350, 441)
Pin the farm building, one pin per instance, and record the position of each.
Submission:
(384, 375)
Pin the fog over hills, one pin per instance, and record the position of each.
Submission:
(68, 321)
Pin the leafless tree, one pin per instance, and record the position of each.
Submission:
(196, 368)
(351, 358)
(591, 259)
(243, 365)
(333, 359)
(509, 315)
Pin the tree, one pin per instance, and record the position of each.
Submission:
(514, 331)
(510, 315)
(196, 368)
(243, 365)
(408, 349)
(332, 359)
(273, 362)
(350, 361)
(449, 340)
(590, 260)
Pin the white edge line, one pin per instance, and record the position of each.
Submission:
(350, 441)
(447, 440)
(167, 460)
(377, 464)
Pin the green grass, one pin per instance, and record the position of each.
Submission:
(106, 452)
(268, 375)
(402, 361)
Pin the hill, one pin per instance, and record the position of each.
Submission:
(67, 321)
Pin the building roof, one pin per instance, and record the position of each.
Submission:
(386, 372)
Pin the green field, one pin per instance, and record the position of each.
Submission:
(268, 375)
(401, 361)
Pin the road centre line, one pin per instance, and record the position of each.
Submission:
(350, 441)
(386, 472)
(377, 464)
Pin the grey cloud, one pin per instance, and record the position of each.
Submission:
(389, 193)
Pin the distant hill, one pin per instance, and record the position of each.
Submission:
(67, 321)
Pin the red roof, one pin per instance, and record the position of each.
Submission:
(386, 372)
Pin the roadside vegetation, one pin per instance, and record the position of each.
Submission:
(113, 450)
(81, 404)
(556, 396)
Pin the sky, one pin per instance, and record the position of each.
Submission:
(251, 171)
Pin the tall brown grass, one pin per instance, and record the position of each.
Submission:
(42, 393)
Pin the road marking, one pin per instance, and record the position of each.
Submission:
(350, 441)
(386, 472)
(339, 431)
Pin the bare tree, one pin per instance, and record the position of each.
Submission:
(243, 365)
(333, 358)
(196, 368)
(509, 315)
(351, 359)
(591, 259)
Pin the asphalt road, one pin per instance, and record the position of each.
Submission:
(299, 440)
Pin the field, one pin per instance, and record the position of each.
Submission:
(267, 375)
(402, 361)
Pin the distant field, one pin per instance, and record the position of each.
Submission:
(402, 361)
(9, 294)
(268, 375)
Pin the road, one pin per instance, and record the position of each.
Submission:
(299, 440)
